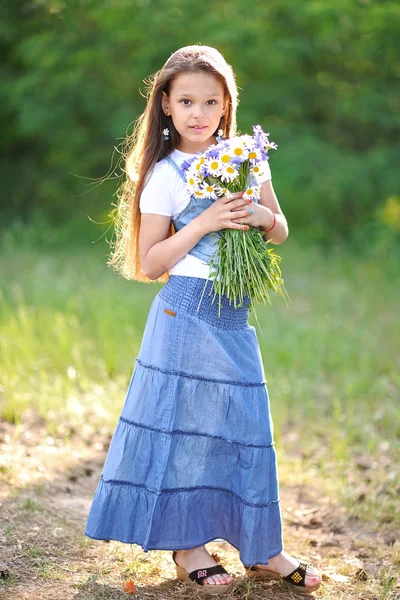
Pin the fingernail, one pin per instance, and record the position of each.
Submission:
(250, 200)
(246, 227)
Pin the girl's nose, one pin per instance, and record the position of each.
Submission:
(198, 113)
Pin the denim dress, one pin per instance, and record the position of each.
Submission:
(192, 457)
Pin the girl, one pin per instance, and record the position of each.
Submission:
(192, 458)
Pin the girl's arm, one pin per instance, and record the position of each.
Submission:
(159, 253)
(269, 203)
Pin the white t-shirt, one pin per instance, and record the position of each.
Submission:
(165, 193)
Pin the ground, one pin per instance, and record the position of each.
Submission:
(47, 484)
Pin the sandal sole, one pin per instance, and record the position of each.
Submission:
(271, 576)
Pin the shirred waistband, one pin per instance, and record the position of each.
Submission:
(185, 293)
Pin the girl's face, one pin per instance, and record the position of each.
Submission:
(195, 104)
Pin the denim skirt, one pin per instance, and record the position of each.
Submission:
(192, 457)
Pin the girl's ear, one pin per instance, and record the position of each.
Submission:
(165, 103)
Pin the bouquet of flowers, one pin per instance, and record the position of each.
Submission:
(246, 267)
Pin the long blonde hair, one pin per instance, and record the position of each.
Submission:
(145, 147)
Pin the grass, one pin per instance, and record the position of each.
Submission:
(70, 330)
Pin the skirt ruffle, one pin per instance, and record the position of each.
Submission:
(192, 457)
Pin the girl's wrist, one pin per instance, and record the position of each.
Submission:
(270, 223)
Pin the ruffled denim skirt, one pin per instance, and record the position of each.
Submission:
(192, 457)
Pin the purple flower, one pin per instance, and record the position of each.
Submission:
(223, 145)
(213, 153)
(236, 161)
(186, 164)
(260, 137)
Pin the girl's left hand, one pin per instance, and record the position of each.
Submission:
(260, 216)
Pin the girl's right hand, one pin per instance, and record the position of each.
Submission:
(221, 212)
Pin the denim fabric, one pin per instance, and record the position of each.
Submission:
(192, 458)
(207, 246)
(205, 249)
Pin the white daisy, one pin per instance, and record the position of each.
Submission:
(258, 171)
(229, 173)
(209, 191)
(252, 192)
(214, 166)
(255, 155)
(225, 157)
(238, 149)
(222, 191)
(246, 140)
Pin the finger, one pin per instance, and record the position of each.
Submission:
(245, 206)
(233, 197)
(238, 202)
(234, 225)
(243, 212)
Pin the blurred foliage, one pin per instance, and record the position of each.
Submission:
(322, 76)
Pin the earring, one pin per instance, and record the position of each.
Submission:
(166, 134)
(220, 133)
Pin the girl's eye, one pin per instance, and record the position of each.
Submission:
(186, 102)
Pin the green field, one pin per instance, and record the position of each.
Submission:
(71, 330)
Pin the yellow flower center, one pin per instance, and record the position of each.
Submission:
(238, 151)
(202, 160)
(256, 169)
(214, 165)
(209, 188)
(252, 155)
(191, 181)
(249, 192)
(230, 170)
(225, 158)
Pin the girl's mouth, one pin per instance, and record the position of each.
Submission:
(198, 128)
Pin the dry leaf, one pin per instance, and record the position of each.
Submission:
(361, 575)
(335, 577)
(130, 587)
(216, 557)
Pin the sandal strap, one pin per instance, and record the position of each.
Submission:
(199, 575)
(298, 576)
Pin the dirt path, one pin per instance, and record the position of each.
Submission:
(47, 485)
